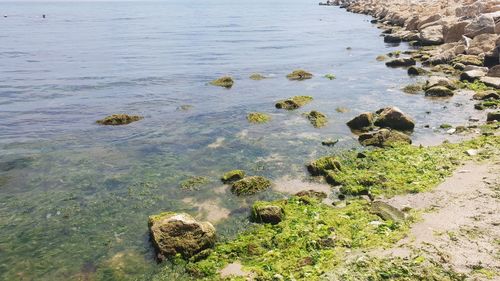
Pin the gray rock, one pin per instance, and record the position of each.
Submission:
(383, 138)
(491, 81)
(362, 121)
(438, 91)
(439, 81)
(480, 25)
(432, 35)
(472, 75)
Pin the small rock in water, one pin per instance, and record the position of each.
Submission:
(329, 142)
(451, 131)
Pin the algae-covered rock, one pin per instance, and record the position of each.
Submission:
(330, 76)
(294, 102)
(232, 176)
(193, 183)
(361, 122)
(225, 81)
(468, 60)
(401, 62)
(486, 95)
(384, 138)
(299, 74)
(119, 119)
(412, 89)
(323, 165)
(263, 212)
(317, 118)
(257, 117)
(394, 118)
(257, 76)
(250, 185)
(439, 81)
(179, 233)
(445, 126)
(438, 91)
(493, 116)
(312, 194)
(416, 71)
(386, 211)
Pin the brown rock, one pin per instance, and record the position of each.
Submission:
(364, 120)
(454, 32)
(394, 118)
(481, 25)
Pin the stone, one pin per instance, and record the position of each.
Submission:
(224, 81)
(416, 71)
(494, 71)
(472, 75)
(119, 119)
(257, 76)
(323, 165)
(383, 138)
(232, 176)
(294, 102)
(258, 117)
(486, 95)
(392, 38)
(362, 121)
(468, 60)
(432, 35)
(484, 43)
(179, 233)
(493, 116)
(250, 185)
(491, 81)
(320, 195)
(427, 20)
(438, 91)
(386, 211)
(454, 32)
(394, 118)
(401, 62)
(267, 213)
(480, 25)
(317, 118)
(299, 74)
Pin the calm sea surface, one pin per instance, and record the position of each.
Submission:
(75, 196)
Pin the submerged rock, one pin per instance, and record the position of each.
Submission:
(257, 76)
(294, 102)
(250, 185)
(264, 213)
(257, 117)
(383, 138)
(401, 62)
(232, 176)
(317, 118)
(179, 233)
(119, 119)
(381, 58)
(386, 211)
(329, 142)
(438, 91)
(323, 165)
(225, 81)
(361, 122)
(330, 76)
(412, 88)
(394, 118)
(299, 74)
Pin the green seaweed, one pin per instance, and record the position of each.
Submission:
(250, 185)
(299, 74)
(317, 118)
(233, 175)
(294, 102)
(225, 81)
(258, 117)
(119, 119)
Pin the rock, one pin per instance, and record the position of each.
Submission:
(401, 62)
(119, 119)
(493, 116)
(225, 81)
(432, 35)
(330, 76)
(486, 95)
(312, 194)
(491, 81)
(361, 122)
(438, 91)
(459, 66)
(415, 71)
(323, 165)
(494, 71)
(299, 74)
(232, 176)
(383, 138)
(257, 76)
(394, 118)
(427, 20)
(439, 81)
(392, 38)
(294, 102)
(250, 185)
(179, 233)
(263, 213)
(381, 58)
(454, 32)
(472, 75)
(471, 152)
(469, 60)
(412, 89)
(258, 117)
(480, 25)
(386, 211)
(329, 142)
(317, 118)
(484, 43)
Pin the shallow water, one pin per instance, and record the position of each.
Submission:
(75, 196)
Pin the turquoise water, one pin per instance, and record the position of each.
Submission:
(75, 196)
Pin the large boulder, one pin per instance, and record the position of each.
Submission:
(361, 122)
(179, 233)
(384, 138)
(484, 43)
(480, 25)
(394, 118)
(264, 213)
(432, 35)
(427, 20)
(453, 32)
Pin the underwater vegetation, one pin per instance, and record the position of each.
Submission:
(257, 117)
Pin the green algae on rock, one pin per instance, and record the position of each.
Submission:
(445, 126)
(193, 183)
(438, 91)
(264, 212)
(299, 74)
(330, 76)
(317, 118)
(323, 166)
(250, 185)
(384, 138)
(257, 76)
(173, 233)
(386, 211)
(329, 142)
(225, 81)
(413, 89)
(119, 119)
(362, 122)
(294, 102)
(232, 176)
(394, 118)
(417, 71)
(258, 117)
(319, 195)
(469, 60)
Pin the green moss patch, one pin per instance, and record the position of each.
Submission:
(294, 102)
(225, 81)
(250, 185)
(299, 74)
(119, 119)
(317, 118)
(232, 176)
(257, 117)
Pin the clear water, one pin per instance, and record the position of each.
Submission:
(75, 196)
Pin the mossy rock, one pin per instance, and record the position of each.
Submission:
(294, 102)
(386, 211)
(263, 212)
(257, 76)
(321, 166)
(487, 95)
(394, 118)
(487, 104)
(394, 54)
(193, 183)
(257, 117)
(361, 122)
(438, 91)
(329, 142)
(417, 71)
(445, 126)
(319, 195)
(401, 62)
(469, 60)
(225, 81)
(330, 76)
(317, 118)
(341, 109)
(299, 74)
(119, 119)
(413, 89)
(384, 138)
(250, 185)
(493, 116)
(232, 176)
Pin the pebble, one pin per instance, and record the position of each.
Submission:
(471, 152)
